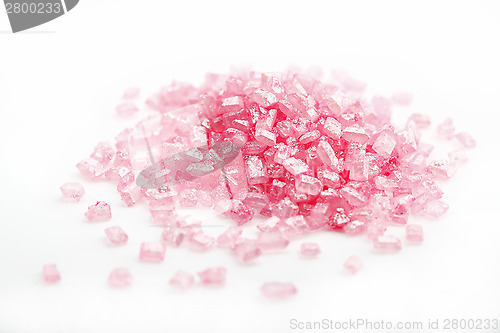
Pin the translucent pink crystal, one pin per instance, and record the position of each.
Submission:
(278, 290)
(310, 249)
(295, 166)
(173, 236)
(126, 109)
(152, 252)
(213, 276)
(387, 243)
(131, 194)
(72, 191)
(308, 185)
(201, 241)
(256, 173)
(435, 208)
(50, 273)
(247, 249)
(182, 280)
(466, 139)
(414, 233)
(116, 235)
(240, 213)
(99, 212)
(353, 264)
(91, 168)
(384, 144)
(355, 133)
(229, 237)
(120, 278)
(273, 240)
(446, 128)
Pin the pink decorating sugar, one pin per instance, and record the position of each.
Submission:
(310, 249)
(72, 191)
(152, 252)
(300, 154)
(182, 280)
(116, 235)
(213, 276)
(120, 278)
(353, 264)
(99, 212)
(278, 290)
(50, 273)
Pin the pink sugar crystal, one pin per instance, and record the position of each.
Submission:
(213, 276)
(308, 185)
(116, 235)
(72, 191)
(414, 233)
(310, 249)
(273, 240)
(173, 236)
(126, 109)
(91, 168)
(295, 166)
(50, 273)
(201, 241)
(182, 280)
(446, 128)
(466, 139)
(152, 252)
(131, 194)
(99, 212)
(353, 264)
(240, 213)
(120, 278)
(300, 153)
(229, 237)
(278, 290)
(387, 243)
(247, 249)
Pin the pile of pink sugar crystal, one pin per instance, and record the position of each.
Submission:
(301, 154)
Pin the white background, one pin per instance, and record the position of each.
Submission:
(59, 83)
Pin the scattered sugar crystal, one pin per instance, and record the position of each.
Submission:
(353, 264)
(131, 194)
(278, 290)
(355, 133)
(310, 249)
(435, 208)
(213, 276)
(446, 128)
(182, 280)
(420, 120)
(384, 144)
(99, 212)
(201, 241)
(50, 273)
(466, 139)
(152, 252)
(256, 173)
(247, 249)
(120, 278)
(387, 243)
(173, 235)
(307, 184)
(72, 191)
(228, 238)
(240, 213)
(274, 240)
(126, 109)
(414, 233)
(295, 166)
(116, 235)
(91, 168)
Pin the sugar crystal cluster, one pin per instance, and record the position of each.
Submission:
(302, 154)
